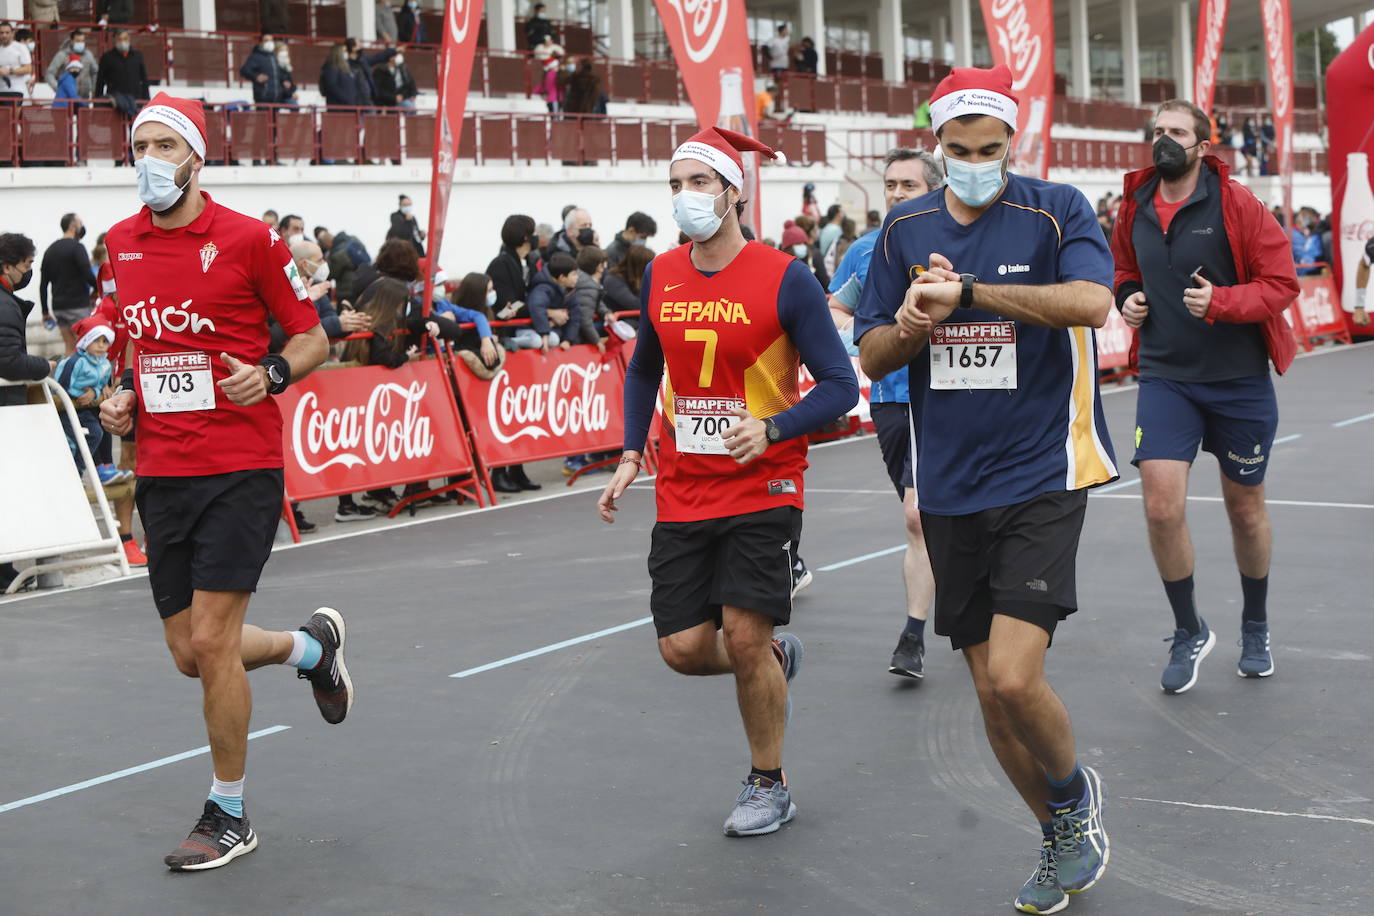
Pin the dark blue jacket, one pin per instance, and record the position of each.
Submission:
(338, 86)
(273, 90)
(545, 294)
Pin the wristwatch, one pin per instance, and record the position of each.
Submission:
(774, 431)
(278, 372)
(966, 294)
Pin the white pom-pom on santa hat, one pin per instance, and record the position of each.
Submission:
(779, 157)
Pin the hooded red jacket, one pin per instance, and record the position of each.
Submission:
(1267, 281)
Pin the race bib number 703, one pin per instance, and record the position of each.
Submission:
(174, 382)
(978, 354)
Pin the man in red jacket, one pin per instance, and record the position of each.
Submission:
(1203, 273)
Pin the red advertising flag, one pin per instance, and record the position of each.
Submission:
(462, 21)
(545, 405)
(1021, 33)
(349, 430)
(710, 41)
(1211, 27)
(1278, 46)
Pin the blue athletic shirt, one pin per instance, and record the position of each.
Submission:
(979, 449)
(891, 388)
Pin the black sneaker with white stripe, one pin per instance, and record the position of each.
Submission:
(218, 839)
(329, 679)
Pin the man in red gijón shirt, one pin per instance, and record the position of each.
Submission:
(196, 284)
(731, 321)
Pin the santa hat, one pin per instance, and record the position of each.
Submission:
(74, 62)
(971, 91)
(94, 332)
(185, 116)
(792, 234)
(720, 149)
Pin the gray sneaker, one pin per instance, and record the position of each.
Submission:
(1255, 660)
(1042, 893)
(1080, 841)
(763, 807)
(1185, 655)
(908, 659)
(790, 654)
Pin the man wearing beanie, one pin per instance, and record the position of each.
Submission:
(730, 322)
(988, 291)
(197, 282)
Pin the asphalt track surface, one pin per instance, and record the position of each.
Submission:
(592, 780)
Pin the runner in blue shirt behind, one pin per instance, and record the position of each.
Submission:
(907, 173)
(1009, 435)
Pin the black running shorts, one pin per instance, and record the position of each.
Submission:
(892, 423)
(740, 560)
(211, 533)
(1018, 561)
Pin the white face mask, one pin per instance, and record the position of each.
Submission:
(269, 46)
(408, 210)
(320, 273)
(800, 250)
(491, 298)
(294, 239)
(399, 61)
(283, 58)
(122, 47)
(78, 47)
(695, 214)
(157, 182)
(976, 184)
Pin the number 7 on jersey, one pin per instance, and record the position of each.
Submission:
(708, 357)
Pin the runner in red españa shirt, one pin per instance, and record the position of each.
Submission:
(196, 283)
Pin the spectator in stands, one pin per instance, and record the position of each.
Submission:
(639, 228)
(763, 102)
(510, 270)
(314, 270)
(16, 65)
(361, 64)
(586, 301)
(1307, 242)
(547, 301)
(337, 84)
(386, 22)
(288, 79)
(537, 27)
(847, 237)
(271, 84)
(274, 16)
(74, 50)
(67, 91)
(921, 120)
(43, 11)
(549, 54)
(346, 256)
(779, 51)
(66, 271)
(16, 270)
(583, 94)
(409, 25)
(395, 86)
(395, 259)
(577, 232)
(806, 58)
(122, 76)
(623, 281)
(477, 346)
(404, 225)
(85, 376)
(291, 228)
(270, 218)
(829, 235)
(115, 12)
(543, 238)
(811, 207)
(1266, 140)
(1249, 145)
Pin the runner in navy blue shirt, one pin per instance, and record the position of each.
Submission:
(1009, 435)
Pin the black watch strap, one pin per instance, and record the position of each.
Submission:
(278, 372)
(774, 430)
(966, 294)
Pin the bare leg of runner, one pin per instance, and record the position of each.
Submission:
(919, 580)
(760, 685)
(1251, 533)
(1165, 487)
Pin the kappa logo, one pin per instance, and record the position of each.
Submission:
(272, 237)
(131, 256)
(207, 256)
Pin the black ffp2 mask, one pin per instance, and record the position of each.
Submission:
(1171, 157)
(586, 237)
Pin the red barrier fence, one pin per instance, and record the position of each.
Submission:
(1316, 316)
(1114, 347)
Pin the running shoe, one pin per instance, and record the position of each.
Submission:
(354, 513)
(381, 500)
(218, 839)
(1042, 893)
(1255, 660)
(1080, 841)
(329, 679)
(763, 807)
(573, 464)
(1185, 655)
(134, 554)
(304, 525)
(790, 652)
(909, 659)
(110, 475)
(801, 576)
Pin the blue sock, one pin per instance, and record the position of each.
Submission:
(916, 628)
(228, 795)
(1072, 787)
(306, 651)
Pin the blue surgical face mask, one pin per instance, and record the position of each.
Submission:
(491, 298)
(157, 182)
(695, 214)
(976, 184)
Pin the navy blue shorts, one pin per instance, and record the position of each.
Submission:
(1235, 420)
(892, 423)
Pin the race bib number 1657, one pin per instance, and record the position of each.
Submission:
(979, 354)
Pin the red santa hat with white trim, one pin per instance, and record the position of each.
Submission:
(973, 91)
(185, 116)
(720, 149)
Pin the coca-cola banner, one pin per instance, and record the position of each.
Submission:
(545, 405)
(1211, 27)
(349, 430)
(1319, 310)
(1021, 33)
(710, 41)
(1350, 137)
(1114, 343)
(462, 21)
(1278, 46)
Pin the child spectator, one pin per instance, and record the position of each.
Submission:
(478, 346)
(549, 312)
(66, 83)
(86, 377)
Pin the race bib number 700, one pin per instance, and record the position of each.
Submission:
(978, 354)
(174, 382)
(701, 423)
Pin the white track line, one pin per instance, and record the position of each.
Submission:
(868, 556)
(1301, 503)
(555, 647)
(1315, 817)
(141, 768)
(1359, 419)
(1288, 438)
